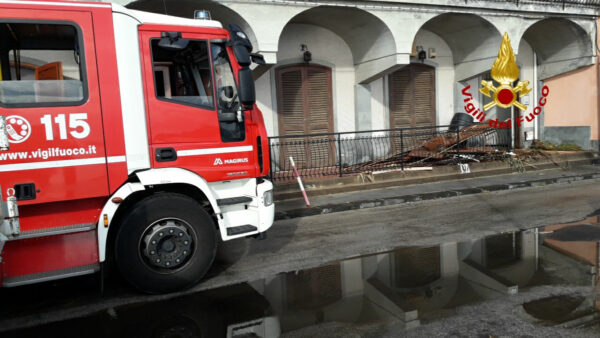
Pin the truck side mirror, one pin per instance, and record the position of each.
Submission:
(241, 55)
(238, 37)
(246, 87)
(258, 59)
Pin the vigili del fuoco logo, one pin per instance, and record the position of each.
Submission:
(505, 72)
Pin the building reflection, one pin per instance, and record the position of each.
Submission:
(410, 285)
(415, 284)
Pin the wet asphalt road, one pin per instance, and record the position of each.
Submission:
(307, 242)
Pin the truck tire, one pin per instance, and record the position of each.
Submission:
(165, 243)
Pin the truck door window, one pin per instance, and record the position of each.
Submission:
(41, 64)
(227, 96)
(183, 76)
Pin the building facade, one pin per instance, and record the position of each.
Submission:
(335, 66)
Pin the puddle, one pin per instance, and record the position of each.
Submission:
(410, 288)
(555, 310)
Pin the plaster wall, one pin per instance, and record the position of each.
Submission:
(525, 62)
(379, 110)
(573, 100)
(265, 92)
(444, 74)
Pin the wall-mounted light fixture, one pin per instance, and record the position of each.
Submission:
(422, 55)
(307, 55)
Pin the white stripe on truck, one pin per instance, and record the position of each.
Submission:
(210, 151)
(61, 164)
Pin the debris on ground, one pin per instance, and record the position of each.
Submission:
(474, 143)
(547, 145)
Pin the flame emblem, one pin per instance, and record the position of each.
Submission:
(505, 71)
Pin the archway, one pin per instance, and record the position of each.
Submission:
(561, 45)
(186, 8)
(370, 40)
(473, 41)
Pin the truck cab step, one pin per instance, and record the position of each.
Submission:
(241, 229)
(234, 200)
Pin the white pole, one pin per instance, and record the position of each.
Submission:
(513, 126)
(299, 182)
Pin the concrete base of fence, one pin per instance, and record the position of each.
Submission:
(332, 185)
(380, 202)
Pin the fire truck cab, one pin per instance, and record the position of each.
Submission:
(125, 136)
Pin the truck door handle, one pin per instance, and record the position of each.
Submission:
(25, 191)
(166, 154)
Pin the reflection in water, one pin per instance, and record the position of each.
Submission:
(411, 286)
(556, 309)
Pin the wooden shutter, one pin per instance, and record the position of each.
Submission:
(412, 97)
(314, 288)
(400, 99)
(49, 71)
(320, 117)
(292, 116)
(305, 106)
(423, 79)
(291, 103)
(417, 266)
(319, 100)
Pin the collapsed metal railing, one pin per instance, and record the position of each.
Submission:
(339, 154)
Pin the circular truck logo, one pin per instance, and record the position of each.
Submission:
(18, 129)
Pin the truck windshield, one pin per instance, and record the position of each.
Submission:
(224, 80)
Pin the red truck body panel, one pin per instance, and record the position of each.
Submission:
(75, 154)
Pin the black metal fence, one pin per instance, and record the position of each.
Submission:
(563, 3)
(380, 150)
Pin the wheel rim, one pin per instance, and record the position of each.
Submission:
(167, 245)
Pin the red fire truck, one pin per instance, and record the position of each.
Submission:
(125, 136)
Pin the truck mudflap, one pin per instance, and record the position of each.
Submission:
(9, 219)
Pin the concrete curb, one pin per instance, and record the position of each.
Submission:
(334, 185)
(395, 200)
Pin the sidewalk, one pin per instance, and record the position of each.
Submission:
(370, 198)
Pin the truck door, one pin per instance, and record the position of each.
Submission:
(49, 96)
(191, 98)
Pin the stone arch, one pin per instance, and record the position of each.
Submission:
(561, 45)
(185, 8)
(370, 40)
(473, 41)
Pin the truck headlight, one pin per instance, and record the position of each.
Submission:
(268, 198)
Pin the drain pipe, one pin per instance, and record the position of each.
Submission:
(536, 123)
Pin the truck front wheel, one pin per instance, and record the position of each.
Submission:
(165, 243)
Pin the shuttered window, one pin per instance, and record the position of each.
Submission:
(417, 266)
(320, 115)
(305, 100)
(305, 106)
(315, 288)
(292, 119)
(412, 97)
